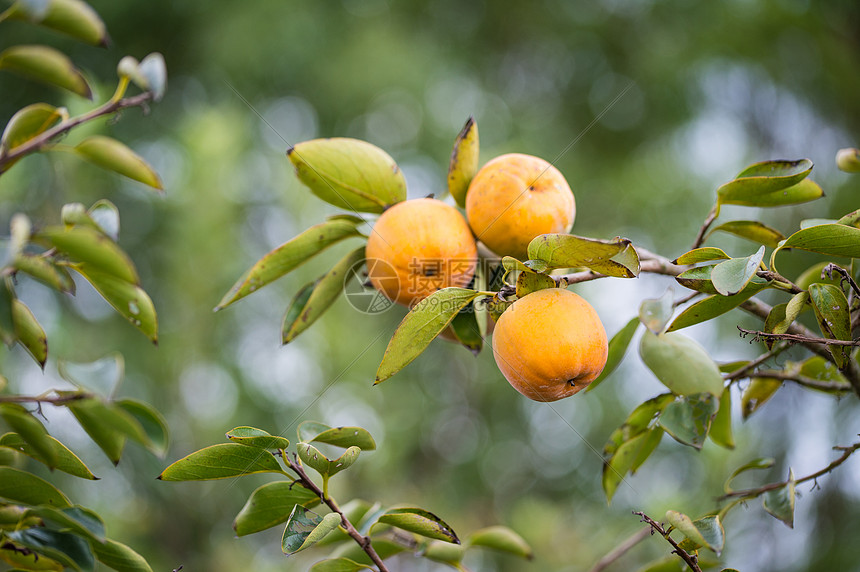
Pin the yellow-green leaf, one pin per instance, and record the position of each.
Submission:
(834, 318)
(310, 305)
(290, 255)
(761, 179)
(46, 65)
(721, 428)
(112, 155)
(128, 299)
(464, 162)
(91, 248)
(271, 504)
(29, 122)
(420, 326)
(611, 257)
(705, 254)
(29, 332)
(681, 364)
(503, 539)
(72, 17)
(221, 462)
(848, 160)
(751, 230)
(421, 522)
(349, 173)
(757, 393)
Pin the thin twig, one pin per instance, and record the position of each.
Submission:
(752, 493)
(797, 338)
(45, 137)
(57, 400)
(700, 238)
(741, 371)
(803, 380)
(649, 263)
(360, 539)
(685, 556)
(621, 549)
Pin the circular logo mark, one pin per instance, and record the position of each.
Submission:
(361, 294)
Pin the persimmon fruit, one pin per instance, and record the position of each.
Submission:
(516, 197)
(417, 247)
(550, 344)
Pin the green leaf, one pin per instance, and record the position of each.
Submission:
(763, 463)
(338, 565)
(652, 440)
(112, 155)
(72, 17)
(763, 179)
(29, 122)
(290, 255)
(272, 504)
(834, 319)
(464, 161)
(721, 428)
(848, 160)
(503, 539)
(221, 462)
(832, 239)
(254, 437)
(120, 557)
(610, 257)
(821, 369)
(94, 250)
(732, 276)
(669, 563)
(782, 320)
(349, 173)
(420, 326)
(128, 299)
(814, 274)
(705, 254)
(803, 192)
(467, 330)
(617, 348)
(655, 313)
(44, 270)
(445, 552)
(529, 281)
(620, 462)
(751, 230)
(71, 550)
(78, 520)
(707, 531)
(305, 528)
(108, 425)
(31, 431)
(689, 419)
(311, 456)
(45, 65)
(780, 502)
(66, 460)
(420, 522)
(715, 305)
(698, 279)
(325, 291)
(152, 422)
(312, 431)
(29, 332)
(851, 219)
(23, 487)
(681, 364)
(7, 301)
(757, 393)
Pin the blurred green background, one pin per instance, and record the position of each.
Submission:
(646, 106)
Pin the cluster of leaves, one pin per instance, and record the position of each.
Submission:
(40, 527)
(358, 534)
(698, 404)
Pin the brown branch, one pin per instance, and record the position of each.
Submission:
(752, 493)
(44, 138)
(649, 262)
(361, 540)
(621, 549)
(58, 400)
(691, 560)
(803, 380)
(797, 338)
(700, 238)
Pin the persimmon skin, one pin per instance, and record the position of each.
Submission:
(417, 247)
(516, 197)
(550, 344)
